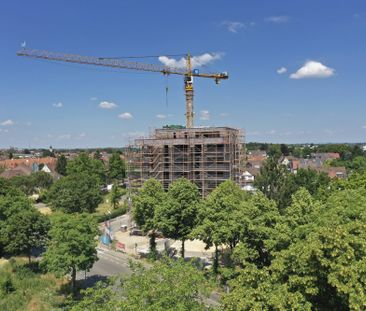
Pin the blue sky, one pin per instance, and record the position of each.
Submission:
(296, 70)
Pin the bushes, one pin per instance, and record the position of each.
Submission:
(114, 213)
(23, 289)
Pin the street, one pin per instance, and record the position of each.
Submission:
(109, 263)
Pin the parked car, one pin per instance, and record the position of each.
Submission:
(136, 231)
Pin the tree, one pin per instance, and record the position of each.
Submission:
(117, 167)
(273, 182)
(219, 218)
(47, 153)
(84, 164)
(284, 149)
(61, 165)
(257, 289)
(24, 231)
(309, 179)
(72, 245)
(41, 180)
(177, 215)
(12, 202)
(257, 222)
(144, 208)
(167, 286)
(75, 193)
(32, 183)
(115, 196)
(23, 183)
(321, 265)
(97, 155)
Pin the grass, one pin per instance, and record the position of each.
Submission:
(24, 288)
(45, 211)
(104, 207)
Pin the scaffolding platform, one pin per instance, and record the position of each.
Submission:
(206, 156)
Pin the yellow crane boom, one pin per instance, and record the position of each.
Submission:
(187, 72)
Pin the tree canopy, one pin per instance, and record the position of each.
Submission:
(72, 245)
(61, 165)
(116, 167)
(168, 285)
(145, 205)
(87, 165)
(75, 193)
(176, 216)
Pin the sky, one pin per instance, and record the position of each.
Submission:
(296, 70)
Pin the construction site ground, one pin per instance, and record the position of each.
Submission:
(139, 245)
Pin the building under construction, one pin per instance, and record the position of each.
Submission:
(207, 156)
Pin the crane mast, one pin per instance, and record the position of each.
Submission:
(187, 72)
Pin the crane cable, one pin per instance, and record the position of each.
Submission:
(166, 90)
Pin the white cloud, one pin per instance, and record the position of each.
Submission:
(271, 132)
(161, 116)
(313, 69)
(58, 105)
(93, 98)
(64, 136)
(232, 26)
(125, 115)
(224, 114)
(7, 122)
(364, 126)
(107, 105)
(281, 70)
(281, 19)
(197, 61)
(205, 115)
(329, 132)
(4, 130)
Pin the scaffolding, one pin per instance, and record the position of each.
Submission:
(206, 156)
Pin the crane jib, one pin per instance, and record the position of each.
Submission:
(120, 63)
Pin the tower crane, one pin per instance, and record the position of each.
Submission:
(188, 73)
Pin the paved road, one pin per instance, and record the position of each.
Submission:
(109, 263)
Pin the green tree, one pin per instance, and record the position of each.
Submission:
(115, 196)
(256, 289)
(284, 150)
(75, 193)
(177, 215)
(61, 165)
(72, 245)
(97, 155)
(41, 180)
(12, 202)
(85, 164)
(24, 231)
(167, 286)
(117, 167)
(219, 218)
(257, 222)
(278, 184)
(23, 183)
(273, 182)
(144, 208)
(321, 264)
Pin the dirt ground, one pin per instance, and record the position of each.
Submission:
(135, 244)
